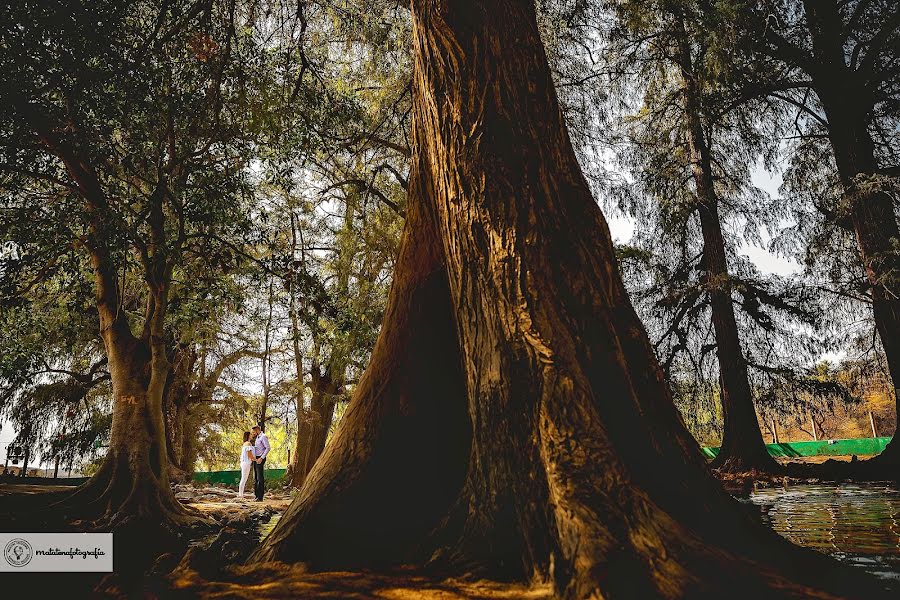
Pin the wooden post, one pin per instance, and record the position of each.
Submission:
(56, 468)
(774, 432)
(872, 423)
(812, 424)
(24, 472)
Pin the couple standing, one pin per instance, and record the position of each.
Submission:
(253, 454)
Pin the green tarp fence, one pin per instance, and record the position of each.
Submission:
(234, 477)
(862, 446)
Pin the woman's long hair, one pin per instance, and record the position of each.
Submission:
(246, 436)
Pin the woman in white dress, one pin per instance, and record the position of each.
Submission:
(247, 458)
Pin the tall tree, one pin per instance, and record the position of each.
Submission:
(513, 417)
(682, 134)
(117, 115)
(836, 63)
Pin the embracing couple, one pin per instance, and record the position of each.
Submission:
(253, 454)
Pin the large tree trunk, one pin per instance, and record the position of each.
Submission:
(399, 455)
(743, 447)
(877, 236)
(131, 488)
(871, 209)
(513, 420)
(132, 485)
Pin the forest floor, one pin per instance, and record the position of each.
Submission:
(210, 565)
(200, 573)
(279, 580)
(222, 503)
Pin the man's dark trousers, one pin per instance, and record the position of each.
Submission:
(259, 479)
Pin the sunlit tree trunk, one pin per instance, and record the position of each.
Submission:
(177, 403)
(132, 484)
(325, 390)
(513, 421)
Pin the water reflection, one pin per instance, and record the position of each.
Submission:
(857, 524)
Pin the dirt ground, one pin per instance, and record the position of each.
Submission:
(7, 488)
(267, 580)
(208, 571)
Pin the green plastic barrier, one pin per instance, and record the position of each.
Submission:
(234, 477)
(860, 447)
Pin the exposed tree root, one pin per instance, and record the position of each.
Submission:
(878, 468)
(276, 581)
(738, 463)
(116, 499)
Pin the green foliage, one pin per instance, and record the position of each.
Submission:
(259, 151)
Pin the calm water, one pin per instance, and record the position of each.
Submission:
(857, 524)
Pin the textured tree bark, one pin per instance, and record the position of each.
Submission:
(296, 472)
(313, 425)
(743, 447)
(513, 421)
(399, 454)
(131, 488)
(871, 210)
(324, 395)
(177, 400)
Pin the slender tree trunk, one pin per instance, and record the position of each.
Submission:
(743, 447)
(513, 420)
(189, 449)
(296, 472)
(25, 459)
(267, 358)
(870, 208)
(313, 427)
